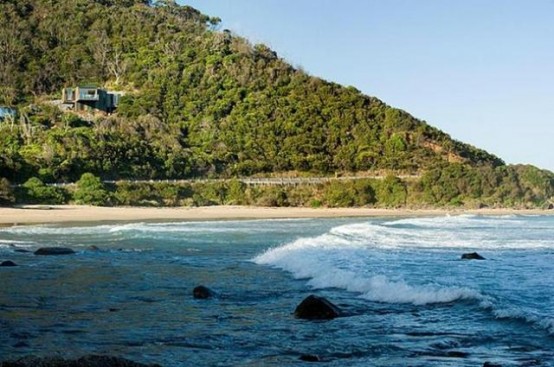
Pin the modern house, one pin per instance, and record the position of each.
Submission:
(7, 112)
(89, 98)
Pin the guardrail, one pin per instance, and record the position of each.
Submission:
(253, 181)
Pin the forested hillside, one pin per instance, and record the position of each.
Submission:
(202, 102)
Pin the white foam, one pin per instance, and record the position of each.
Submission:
(540, 321)
(457, 221)
(55, 230)
(335, 261)
(347, 256)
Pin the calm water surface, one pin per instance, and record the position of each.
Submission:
(408, 298)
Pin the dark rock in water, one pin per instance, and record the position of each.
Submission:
(54, 251)
(8, 263)
(457, 354)
(16, 249)
(472, 256)
(202, 292)
(316, 308)
(490, 364)
(93, 248)
(86, 361)
(21, 345)
(309, 358)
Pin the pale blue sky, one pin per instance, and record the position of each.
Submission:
(482, 71)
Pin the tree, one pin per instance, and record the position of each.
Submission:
(6, 192)
(90, 190)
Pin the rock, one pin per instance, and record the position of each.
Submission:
(8, 263)
(457, 354)
(309, 358)
(472, 256)
(54, 251)
(93, 248)
(21, 250)
(490, 364)
(316, 308)
(202, 292)
(86, 361)
(21, 345)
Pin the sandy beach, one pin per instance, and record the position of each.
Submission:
(74, 213)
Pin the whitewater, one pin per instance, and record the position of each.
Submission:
(406, 295)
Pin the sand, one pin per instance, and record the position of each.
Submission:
(83, 214)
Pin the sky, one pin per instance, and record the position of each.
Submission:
(482, 71)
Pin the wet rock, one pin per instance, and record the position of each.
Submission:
(457, 354)
(490, 364)
(86, 361)
(309, 358)
(93, 248)
(21, 345)
(316, 308)
(472, 256)
(54, 251)
(202, 292)
(8, 263)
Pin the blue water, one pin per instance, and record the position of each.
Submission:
(407, 297)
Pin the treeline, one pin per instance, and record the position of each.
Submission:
(452, 186)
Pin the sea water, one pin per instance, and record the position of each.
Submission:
(407, 297)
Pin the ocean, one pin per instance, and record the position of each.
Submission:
(407, 297)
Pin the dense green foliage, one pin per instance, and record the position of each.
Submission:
(6, 193)
(90, 190)
(205, 103)
(34, 191)
(452, 186)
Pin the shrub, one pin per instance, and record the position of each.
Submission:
(391, 192)
(272, 196)
(36, 192)
(90, 190)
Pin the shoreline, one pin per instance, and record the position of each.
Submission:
(71, 214)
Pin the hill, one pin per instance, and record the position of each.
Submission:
(200, 102)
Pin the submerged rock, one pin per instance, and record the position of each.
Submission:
(202, 292)
(54, 251)
(490, 364)
(86, 361)
(472, 256)
(309, 358)
(21, 344)
(457, 354)
(8, 263)
(316, 308)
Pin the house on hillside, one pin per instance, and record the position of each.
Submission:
(90, 98)
(7, 112)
